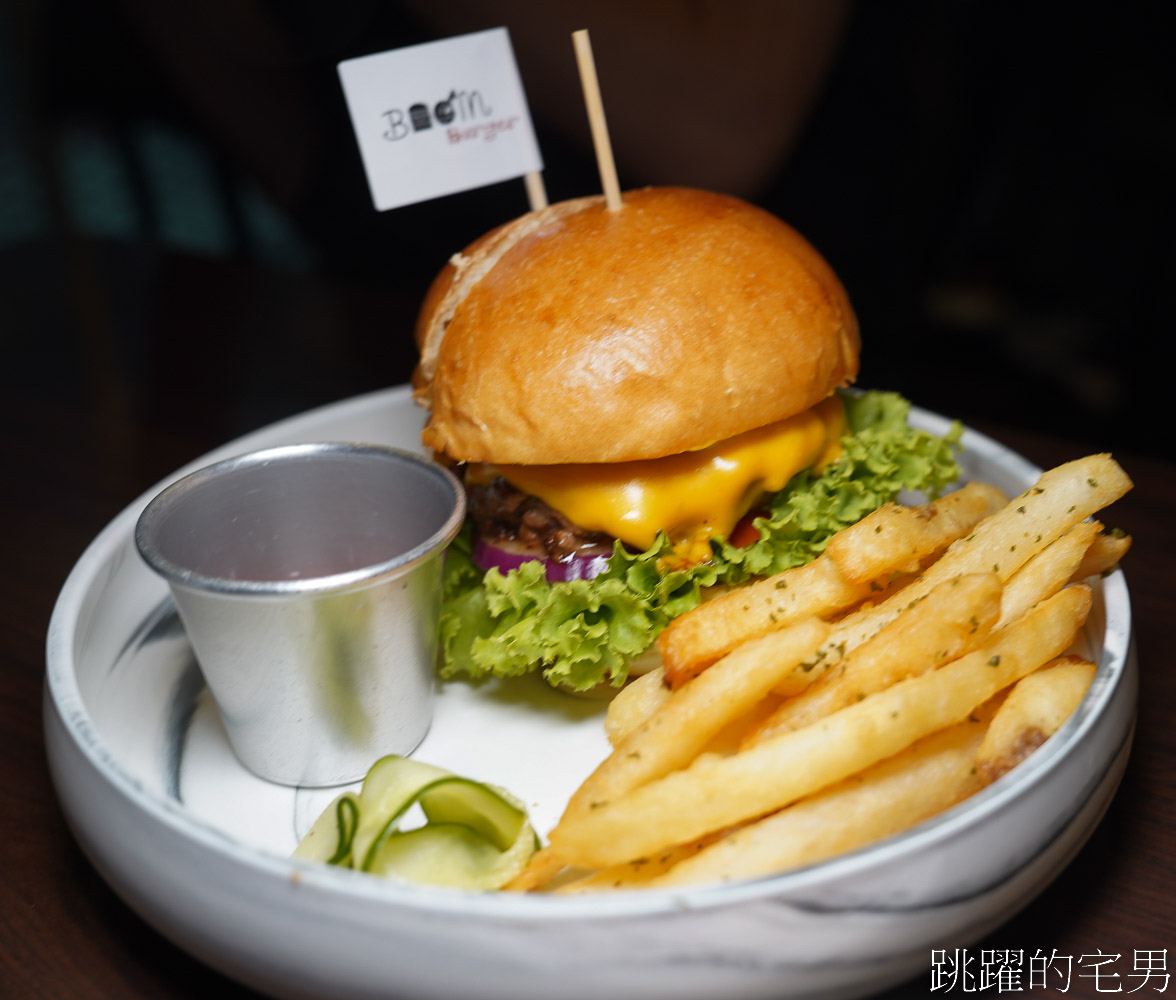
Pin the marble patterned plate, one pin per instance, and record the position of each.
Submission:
(200, 847)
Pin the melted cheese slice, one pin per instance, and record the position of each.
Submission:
(693, 496)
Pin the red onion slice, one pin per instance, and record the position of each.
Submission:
(487, 556)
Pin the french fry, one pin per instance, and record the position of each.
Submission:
(1047, 572)
(1034, 710)
(896, 539)
(1001, 543)
(542, 867)
(1062, 497)
(635, 703)
(952, 619)
(638, 700)
(928, 777)
(1043, 574)
(692, 642)
(678, 731)
(639, 874)
(1105, 553)
(719, 792)
(695, 640)
(731, 738)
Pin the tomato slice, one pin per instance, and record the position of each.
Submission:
(745, 533)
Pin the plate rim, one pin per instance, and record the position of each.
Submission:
(63, 696)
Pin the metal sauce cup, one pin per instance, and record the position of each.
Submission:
(308, 579)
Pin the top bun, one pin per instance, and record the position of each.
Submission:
(576, 334)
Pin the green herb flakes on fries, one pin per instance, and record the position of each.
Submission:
(923, 655)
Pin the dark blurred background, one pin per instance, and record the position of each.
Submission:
(185, 227)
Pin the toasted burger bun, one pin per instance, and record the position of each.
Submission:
(576, 334)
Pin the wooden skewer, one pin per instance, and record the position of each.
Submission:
(536, 191)
(591, 87)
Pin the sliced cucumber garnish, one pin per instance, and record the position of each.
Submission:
(329, 839)
(389, 791)
(474, 836)
(450, 854)
(488, 811)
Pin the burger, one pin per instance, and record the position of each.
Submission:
(645, 404)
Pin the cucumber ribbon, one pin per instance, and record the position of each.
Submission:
(475, 836)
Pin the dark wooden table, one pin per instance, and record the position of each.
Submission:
(69, 468)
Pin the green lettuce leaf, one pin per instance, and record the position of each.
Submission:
(581, 633)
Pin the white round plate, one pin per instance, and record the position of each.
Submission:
(201, 848)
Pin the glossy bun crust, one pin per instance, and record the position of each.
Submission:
(575, 334)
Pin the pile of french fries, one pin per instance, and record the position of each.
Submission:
(922, 656)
